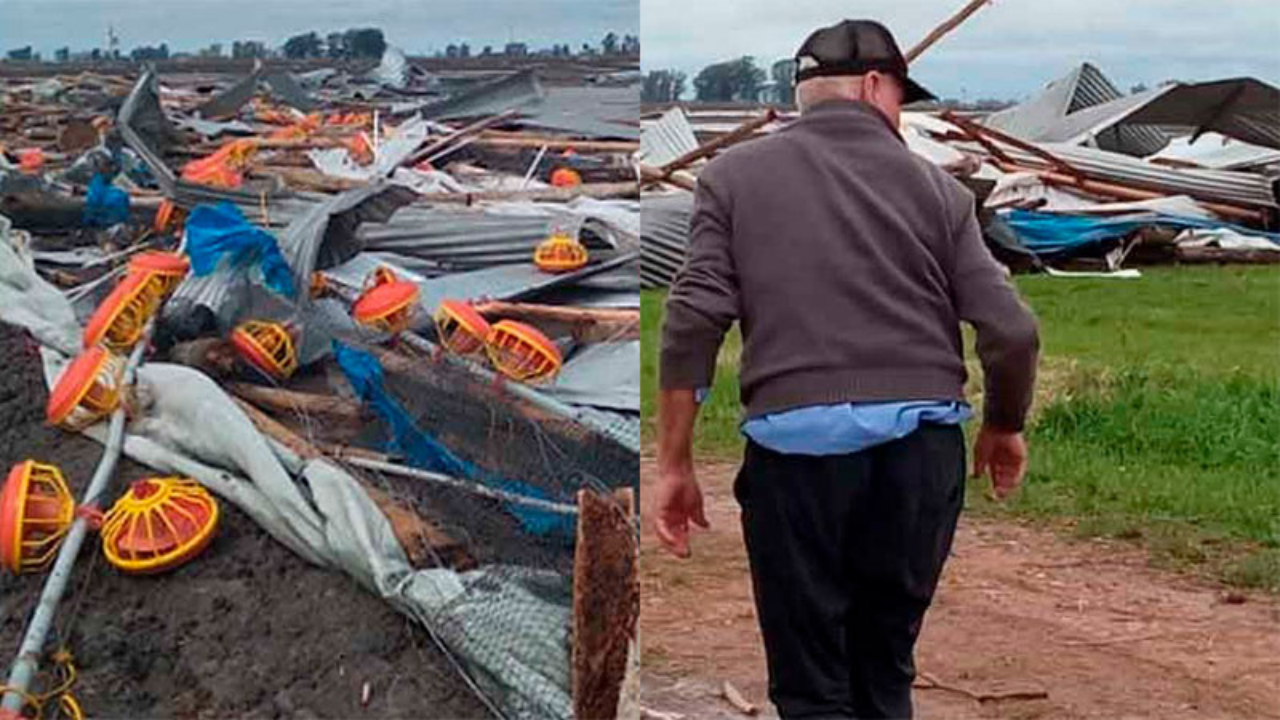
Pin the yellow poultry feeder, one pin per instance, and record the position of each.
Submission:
(460, 328)
(522, 352)
(35, 511)
(121, 317)
(159, 524)
(88, 389)
(388, 303)
(560, 253)
(266, 346)
(163, 271)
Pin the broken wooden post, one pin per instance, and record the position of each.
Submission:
(947, 26)
(606, 601)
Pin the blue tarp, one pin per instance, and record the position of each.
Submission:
(217, 230)
(364, 372)
(104, 204)
(1048, 234)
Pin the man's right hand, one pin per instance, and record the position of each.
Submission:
(1002, 455)
(677, 502)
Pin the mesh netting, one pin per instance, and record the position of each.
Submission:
(511, 521)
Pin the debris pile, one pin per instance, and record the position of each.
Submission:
(390, 315)
(1079, 176)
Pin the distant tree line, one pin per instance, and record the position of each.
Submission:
(354, 43)
(347, 44)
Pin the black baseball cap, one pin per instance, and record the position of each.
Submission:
(854, 47)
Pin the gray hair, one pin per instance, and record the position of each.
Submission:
(827, 87)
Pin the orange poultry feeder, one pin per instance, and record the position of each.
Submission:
(122, 315)
(388, 304)
(158, 525)
(559, 253)
(522, 352)
(35, 511)
(267, 346)
(564, 177)
(168, 216)
(460, 328)
(163, 270)
(88, 389)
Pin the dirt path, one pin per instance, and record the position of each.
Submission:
(1018, 609)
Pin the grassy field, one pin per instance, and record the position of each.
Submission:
(1157, 416)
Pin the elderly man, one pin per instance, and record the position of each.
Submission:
(849, 264)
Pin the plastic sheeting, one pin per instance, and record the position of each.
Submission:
(186, 424)
(1048, 234)
(217, 231)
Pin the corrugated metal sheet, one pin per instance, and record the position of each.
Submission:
(1051, 116)
(665, 231)
(667, 138)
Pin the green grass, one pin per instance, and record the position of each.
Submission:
(1157, 416)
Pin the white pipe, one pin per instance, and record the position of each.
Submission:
(410, 472)
(26, 664)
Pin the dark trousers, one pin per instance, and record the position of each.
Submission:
(845, 554)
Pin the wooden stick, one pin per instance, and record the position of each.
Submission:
(733, 137)
(421, 540)
(627, 189)
(927, 681)
(947, 26)
(735, 698)
(292, 401)
(589, 325)
(474, 128)
(650, 175)
(582, 146)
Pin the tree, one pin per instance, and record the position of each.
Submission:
(783, 72)
(364, 43)
(631, 45)
(464, 50)
(661, 86)
(730, 81)
(1140, 87)
(301, 47)
(609, 45)
(62, 54)
(146, 52)
(487, 51)
(335, 46)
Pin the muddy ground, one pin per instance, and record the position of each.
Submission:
(1020, 612)
(247, 629)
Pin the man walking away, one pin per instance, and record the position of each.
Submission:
(849, 264)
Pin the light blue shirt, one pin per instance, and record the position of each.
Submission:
(849, 427)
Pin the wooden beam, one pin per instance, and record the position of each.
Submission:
(292, 401)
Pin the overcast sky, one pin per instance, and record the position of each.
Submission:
(421, 26)
(1009, 49)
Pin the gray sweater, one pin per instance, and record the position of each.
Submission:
(849, 263)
